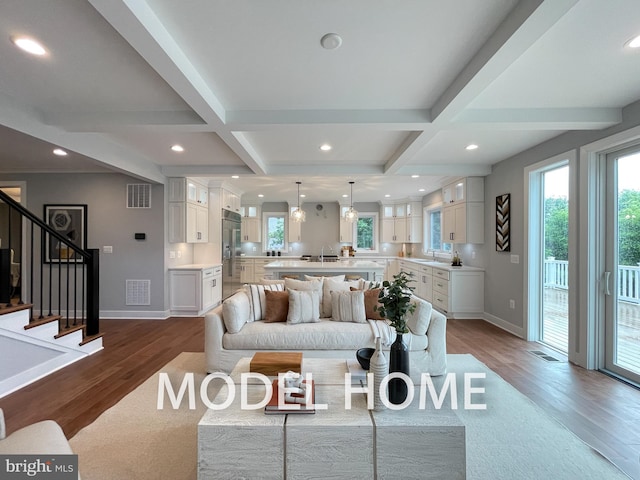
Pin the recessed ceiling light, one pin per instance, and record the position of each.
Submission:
(29, 45)
(260, 195)
(325, 147)
(177, 148)
(415, 176)
(472, 146)
(634, 42)
(302, 195)
(331, 41)
(235, 176)
(60, 152)
(421, 189)
(387, 196)
(346, 195)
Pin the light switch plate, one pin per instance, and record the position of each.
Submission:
(107, 249)
(515, 258)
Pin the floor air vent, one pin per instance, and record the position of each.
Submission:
(544, 356)
(138, 292)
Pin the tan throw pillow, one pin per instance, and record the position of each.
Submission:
(277, 306)
(348, 306)
(303, 306)
(370, 301)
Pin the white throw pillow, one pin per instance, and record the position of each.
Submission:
(304, 306)
(332, 285)
(257, 300)
(314, 285)
(348, 306)
(236, 311)
(418, 321)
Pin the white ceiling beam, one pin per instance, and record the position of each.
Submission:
(138, 24)
(95, 146)
(539, 118)
(526, 23)
(207, 170)
(254, 120)
(324, 170)
(407, 150)
(446, 169)
(125, 121)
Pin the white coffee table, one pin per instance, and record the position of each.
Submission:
(332, 443)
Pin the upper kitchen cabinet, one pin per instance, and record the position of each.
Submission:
(401, 222)
(230, 201)
(463, 212)
(346, 227)
(250, 229)
(188, 211)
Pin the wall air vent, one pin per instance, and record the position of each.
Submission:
(139, 195)
(138, 292)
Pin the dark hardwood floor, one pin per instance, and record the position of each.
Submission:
(602, 411)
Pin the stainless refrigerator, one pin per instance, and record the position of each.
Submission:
(230, 252)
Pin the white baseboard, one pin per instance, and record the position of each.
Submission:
(131, 314)
(503, 324)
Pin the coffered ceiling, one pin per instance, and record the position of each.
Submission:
(247, 89)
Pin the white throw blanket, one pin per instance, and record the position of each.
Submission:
(383, 330)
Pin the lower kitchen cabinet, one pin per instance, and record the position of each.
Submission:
(194, 289)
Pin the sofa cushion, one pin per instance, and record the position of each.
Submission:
(257, 299)
(348, 306)
(329, 285)
(277, 306)
(304, 306)
(236, 311)
(306, 285)
(418, 321)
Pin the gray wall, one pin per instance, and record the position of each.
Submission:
(111, 223)
(503, 279)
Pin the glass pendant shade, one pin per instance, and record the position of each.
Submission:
(298, 215)
(351, 215)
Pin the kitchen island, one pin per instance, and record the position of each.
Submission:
(299, 268)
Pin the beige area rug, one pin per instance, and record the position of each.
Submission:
(512, 439)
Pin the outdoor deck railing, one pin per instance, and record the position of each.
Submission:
(556, 275)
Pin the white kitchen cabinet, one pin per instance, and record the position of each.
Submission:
(414, 222)
(188, 211)
(246, 270)
(393, 230)
(463, 212)
(230, 201)
(294, 233)
(458, 293)
(194, 289)
(346, 227)
(251, 226)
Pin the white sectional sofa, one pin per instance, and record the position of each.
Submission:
(241, 334)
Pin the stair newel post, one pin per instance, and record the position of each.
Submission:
(93, 290)
(5, 276)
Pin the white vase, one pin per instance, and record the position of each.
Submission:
(379, 366)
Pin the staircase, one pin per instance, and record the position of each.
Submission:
(49, 300)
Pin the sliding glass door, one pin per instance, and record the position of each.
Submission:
(622, 264)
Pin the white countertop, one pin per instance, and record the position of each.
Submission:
(196, 266)
(333, 266)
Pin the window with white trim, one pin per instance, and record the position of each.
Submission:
(274, 232)
(365, 232)
(432, 238)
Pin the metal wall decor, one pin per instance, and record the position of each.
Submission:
(503, 217)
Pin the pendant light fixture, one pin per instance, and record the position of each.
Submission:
(351, 215)
(298, 214)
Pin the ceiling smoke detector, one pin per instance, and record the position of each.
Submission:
(331, 41)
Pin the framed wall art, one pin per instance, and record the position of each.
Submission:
(503, 218)
(70, 221)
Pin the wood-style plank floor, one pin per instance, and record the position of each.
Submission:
(602, 411)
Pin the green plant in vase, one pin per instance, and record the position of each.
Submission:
(395, 304)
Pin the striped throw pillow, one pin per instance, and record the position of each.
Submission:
(257, 299)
